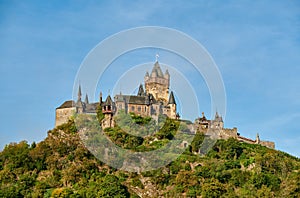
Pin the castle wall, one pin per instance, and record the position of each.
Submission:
(228, 133)
(142, 110)
(63, 115)
(267, 144)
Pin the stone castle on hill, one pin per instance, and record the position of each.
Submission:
(152, 100)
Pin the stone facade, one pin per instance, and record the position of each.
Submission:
(158, 83)
(154, 101)
(64, 112)
(216, 126)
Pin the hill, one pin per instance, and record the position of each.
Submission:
(61, 166)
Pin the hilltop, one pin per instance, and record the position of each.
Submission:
(60, 166)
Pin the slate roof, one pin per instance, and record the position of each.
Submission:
(108, 101)
(157, 70)
(67, 104)
(171, 98)
(132, 99)
(138, 100)
(92, 107)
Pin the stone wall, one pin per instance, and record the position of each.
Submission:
(142, 110)
(63, 115)
(267, 144)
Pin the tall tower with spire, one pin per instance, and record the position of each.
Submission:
(80, 106)
(157, 83)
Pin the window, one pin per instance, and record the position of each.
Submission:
(132, 108)
(139, 109)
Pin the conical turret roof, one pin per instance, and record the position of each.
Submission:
(156, 71)
(172, 98)
(86, 99)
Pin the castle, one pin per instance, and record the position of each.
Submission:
(216, 126)
(156, 99)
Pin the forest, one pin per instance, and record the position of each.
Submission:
(61, 166)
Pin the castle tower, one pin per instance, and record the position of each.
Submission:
(217, 122)
(79, 93)
(108, 109)
(157, 83)
(80, 107)
(172, 105)
(257, 140)
(86, 99)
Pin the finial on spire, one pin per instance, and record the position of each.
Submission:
(156, 57)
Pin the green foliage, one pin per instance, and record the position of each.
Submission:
(60, 166)
(197, 141)
(100, 115)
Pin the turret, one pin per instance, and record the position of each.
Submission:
(80, 107)
(157, 83)
(172, 99)
(141, 91)
(86, 99)
(100, 98)
(108, 111)
(79, 93)
(107, 107)
(172, 106)
(257, 140)
(167, 74)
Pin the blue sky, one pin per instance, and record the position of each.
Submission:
(256, 45)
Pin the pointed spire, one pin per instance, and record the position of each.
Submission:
(86, 99)
(218, 117)
(141, 91)
(167, 72)
(156, 71)
(172, 98)
(100, 98)
(79, 93)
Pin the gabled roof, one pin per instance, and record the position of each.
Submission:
(172, 99)
(67, 104)
(157, 70)
(108, 101)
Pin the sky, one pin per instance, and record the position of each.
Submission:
(255, 44)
